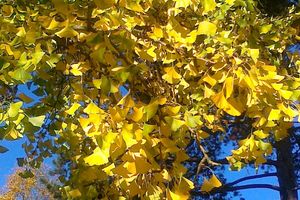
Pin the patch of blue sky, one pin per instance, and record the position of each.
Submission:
(8, 160)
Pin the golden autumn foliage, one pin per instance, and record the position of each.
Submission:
(17, 187)
(123, 86)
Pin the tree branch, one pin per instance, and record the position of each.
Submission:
(235, 188)
(205, 158)
(224, 161)
(253, 186)
(297, 188)
(249, 178)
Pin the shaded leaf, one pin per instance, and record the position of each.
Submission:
(3, 149)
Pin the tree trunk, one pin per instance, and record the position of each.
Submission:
(285, 170)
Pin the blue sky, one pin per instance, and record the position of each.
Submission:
(8, 159)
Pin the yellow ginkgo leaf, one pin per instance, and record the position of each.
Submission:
(97, 158)
(219, 100)
(286, 94)
(61, 6)
(265, 28)
(189, 183)
(148, 129)
(108, 169)
(230, 2)
(182, 3)
(97, 83)
(7, 48)
(134, 6)
(211, 81)
(37, 121)
(193, 121)
(116, 114)
(254, 53)
(158, 33)
(104, 4)
(14, 109)
(151, 110)
(139, 166)
(173, 196)
(274, 114)
(174, 123)
(228, 86)
(92, 109)
(84, 122)
(130, 166)
(128, 138)
(151, 52)
(162, 100)
(280, 134)
(208, 92)
(53, 24)
(171, 75)
(21, 32)
(234, 107)
(76, 72)
(210, 184)
(66, 32)
(277, 86)
(171, 110)
(7, 10)
(260, 134)
(202, 135)
(207, 28)
(13, 134)
(37, 57)
(137, 114)
(74, 193)
(287, 110)
(208, 5)
(73, 108)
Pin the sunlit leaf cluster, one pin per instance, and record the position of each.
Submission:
(125, 85)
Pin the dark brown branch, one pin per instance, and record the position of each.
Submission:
(235, 188)
(297, 188)
(229, 187)
(250, 178)
(253, 186)
(224, 161)
(205, 158)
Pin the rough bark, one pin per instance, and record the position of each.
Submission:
(285, 170)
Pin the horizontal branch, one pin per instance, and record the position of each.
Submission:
(235, 188)
(250, 178)
(253, 186)
(297, 188)
(224, 161)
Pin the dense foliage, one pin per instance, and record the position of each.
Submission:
(124, 87)
(31, 188)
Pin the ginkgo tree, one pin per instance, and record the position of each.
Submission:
(125, 86)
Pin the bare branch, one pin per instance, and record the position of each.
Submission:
(296, 188)
(235, 188)
(250, 178)
(224, 161)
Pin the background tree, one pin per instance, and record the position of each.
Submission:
(125, 87)
(33, 187)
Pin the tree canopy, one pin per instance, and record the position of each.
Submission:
(31, 188)
(122, 88)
